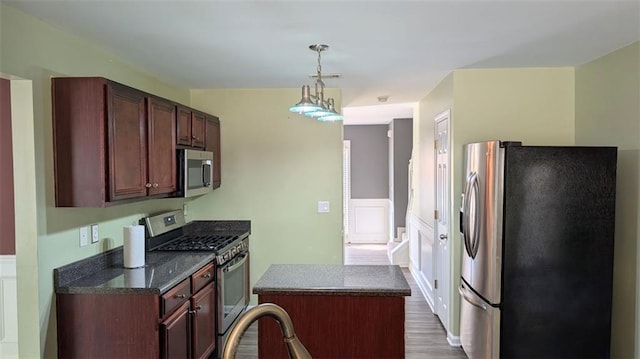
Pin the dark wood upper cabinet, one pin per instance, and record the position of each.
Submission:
(183, 123)
(197, 129)
(127, 143)
(161, 132)
(212, 143)
(191, 127)
(115, 144)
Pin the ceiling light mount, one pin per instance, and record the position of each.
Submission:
(315, 105)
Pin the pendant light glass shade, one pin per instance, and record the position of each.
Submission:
(305, 105)
(315, 105)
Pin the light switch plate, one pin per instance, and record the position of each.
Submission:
(323, 207)
(94, 233)
(84, 236)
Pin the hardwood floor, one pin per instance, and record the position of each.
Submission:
(425, 336)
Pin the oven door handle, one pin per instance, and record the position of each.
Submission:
(235, 266)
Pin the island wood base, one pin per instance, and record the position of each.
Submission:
(336, 326)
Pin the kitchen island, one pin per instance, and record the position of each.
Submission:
(338, 311)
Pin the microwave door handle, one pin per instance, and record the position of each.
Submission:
(236, 265)
(206, 174)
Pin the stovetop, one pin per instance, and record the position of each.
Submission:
(191, 242)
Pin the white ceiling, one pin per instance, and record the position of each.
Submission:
(400, 49)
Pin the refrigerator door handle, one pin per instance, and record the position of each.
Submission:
(475, 241)
(463, 293)
(464, 221)
(471, 244)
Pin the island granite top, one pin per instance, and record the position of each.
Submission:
(333, 279)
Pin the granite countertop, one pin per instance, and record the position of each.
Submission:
(328, 279)
(161, 272)
(104, 272)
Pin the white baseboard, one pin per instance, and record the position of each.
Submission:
(453, 340)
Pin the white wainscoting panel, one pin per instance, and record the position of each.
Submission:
(8, 308)
(422, 262)
(369, 220)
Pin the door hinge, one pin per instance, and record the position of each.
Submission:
(435, 284)
(435, 214)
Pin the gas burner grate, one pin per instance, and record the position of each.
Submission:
(199, 243)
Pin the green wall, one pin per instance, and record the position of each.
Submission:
(276, 166)
(35, 51)
(608, 114)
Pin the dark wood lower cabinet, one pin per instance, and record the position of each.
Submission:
(174, 334)
(204, 322)
(107, 326)
(177, 324)
(340, 326)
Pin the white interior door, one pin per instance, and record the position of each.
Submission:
(442, 260)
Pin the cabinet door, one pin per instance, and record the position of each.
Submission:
(174, 334)
(127, 143)
(197, 129)
(204, 330)
(183, 122)
(161, 134)
(212, 143)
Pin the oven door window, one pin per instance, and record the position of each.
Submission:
(234, 282)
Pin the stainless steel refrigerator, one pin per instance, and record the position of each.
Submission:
(537, 226)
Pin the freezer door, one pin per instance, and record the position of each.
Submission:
(481, 218)
(479, 326)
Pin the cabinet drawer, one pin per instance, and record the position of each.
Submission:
(203, 276)
(174, 297)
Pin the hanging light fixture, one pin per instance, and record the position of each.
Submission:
(315, 105)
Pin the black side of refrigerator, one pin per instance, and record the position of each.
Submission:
(558, 230)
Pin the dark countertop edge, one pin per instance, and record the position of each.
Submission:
(334, 292)
(104, 290)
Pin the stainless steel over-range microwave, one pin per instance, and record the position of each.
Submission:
(195, 170)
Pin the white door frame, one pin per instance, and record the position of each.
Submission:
(346, 188)
(442, 246)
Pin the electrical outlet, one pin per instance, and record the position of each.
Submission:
(94, 233)
(84, 236)
(323, 206)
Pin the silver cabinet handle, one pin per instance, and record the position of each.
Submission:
(464, 295)
(155, 185)
(148, 185)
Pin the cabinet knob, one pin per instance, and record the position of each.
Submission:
(208, 275)
(181, 296)
(155, 185)
(198, 307)
(194, 137)
(148, 185)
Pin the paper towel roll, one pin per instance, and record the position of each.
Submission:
(133, 246)
(135, 278)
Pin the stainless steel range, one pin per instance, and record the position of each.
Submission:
(228, 240)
